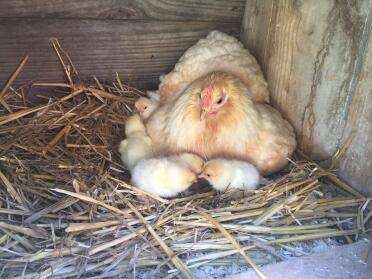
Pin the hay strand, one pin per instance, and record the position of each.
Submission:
(234, 243)
(13, 77)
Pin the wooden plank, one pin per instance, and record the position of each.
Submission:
(311, 53)
(201, 10)
(139, 51)
(255, 36)
(356, 165)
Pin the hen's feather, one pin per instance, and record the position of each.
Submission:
(217, 52)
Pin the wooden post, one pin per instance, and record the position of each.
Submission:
(317, 58)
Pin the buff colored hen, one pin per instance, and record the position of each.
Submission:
(216, 116)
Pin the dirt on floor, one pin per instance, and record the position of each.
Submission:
(342, 262)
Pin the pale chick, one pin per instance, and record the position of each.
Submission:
(146, 106)
(216, 117)
(137, 146)
(223, 174)
(189, 160)
(217, 52)
(162, 177)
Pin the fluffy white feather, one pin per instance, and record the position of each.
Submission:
(223, 174)
(134, 126)
(135, 149)
(217, 52)
(153, 94)
(189, 160)
(162, 177)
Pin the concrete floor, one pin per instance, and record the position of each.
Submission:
(343, 262)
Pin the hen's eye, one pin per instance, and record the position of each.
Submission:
(145, 107)
(219, 101)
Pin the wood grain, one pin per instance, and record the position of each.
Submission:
(195, 10)
(139, 51)
(357, 164)
(256, 36)
(312, 54)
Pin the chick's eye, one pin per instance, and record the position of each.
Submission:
(208, 175)
(145, 107)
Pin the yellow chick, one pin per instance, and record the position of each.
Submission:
(137, 146)
(223, 174)
(146, 106)
(189, 160)
(134, 126)
(162, 177)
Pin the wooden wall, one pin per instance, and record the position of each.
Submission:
(139, 39)
(317, 58)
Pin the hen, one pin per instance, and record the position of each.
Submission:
(217, 52)
(217, 117)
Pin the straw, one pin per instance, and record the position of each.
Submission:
(12, 77)
(234, 242)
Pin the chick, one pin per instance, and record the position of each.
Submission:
(162, 177)
(137, 146)
(221, 174)
(146, 106)
(134, 126)
(189, 160)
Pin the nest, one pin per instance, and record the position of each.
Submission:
(67, 209)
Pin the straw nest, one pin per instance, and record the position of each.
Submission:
(67, 209)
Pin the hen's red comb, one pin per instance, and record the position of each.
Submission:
(208, 96)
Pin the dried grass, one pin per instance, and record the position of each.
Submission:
(67, 209)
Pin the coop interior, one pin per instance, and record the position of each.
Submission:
(70, 74)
